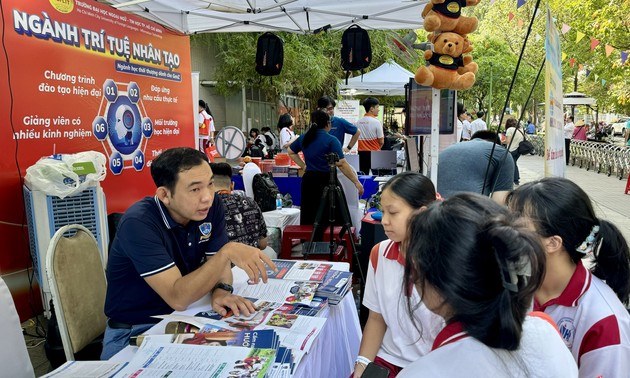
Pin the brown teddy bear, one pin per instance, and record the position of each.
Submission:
(444, 61)
(445, 15)
(468, 64)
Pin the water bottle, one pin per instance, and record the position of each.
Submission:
(279, 201)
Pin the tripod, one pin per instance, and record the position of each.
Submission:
(333, 197)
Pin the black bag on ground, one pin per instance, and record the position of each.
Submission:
(265, 191)
(269, 55)
(356, 50)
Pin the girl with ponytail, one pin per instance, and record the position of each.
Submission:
(317, 145)
(586, 304)
(478, 268)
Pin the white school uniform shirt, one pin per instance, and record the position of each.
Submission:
(384, 294)
(477, 125)
(541, 354)
(466, 129)
(593, 324)
(285, 136)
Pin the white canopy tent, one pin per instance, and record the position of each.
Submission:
(387, 80)
(298, 16)
(577, 98)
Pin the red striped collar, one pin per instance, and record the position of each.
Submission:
(578, 285)
(451, 333)
(392, 252)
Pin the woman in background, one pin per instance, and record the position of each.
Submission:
(478, 268)
(389, 337)
(285, 125)
(586, 304)
(513, 137)
(317, 145)
(206, 126)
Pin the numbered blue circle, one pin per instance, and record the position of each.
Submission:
(99, 128)
(116, 163)
(110, 89)
(147, 127)
(124, 125)
(133, 92)
(138, 160)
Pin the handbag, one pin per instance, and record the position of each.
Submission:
(525, 147)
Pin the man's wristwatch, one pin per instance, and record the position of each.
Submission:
(224, 286)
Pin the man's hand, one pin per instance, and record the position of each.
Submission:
(359, 188)
(346, 150)
(250, 259)
(237, 304)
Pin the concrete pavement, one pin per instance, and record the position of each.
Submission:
(607, 193)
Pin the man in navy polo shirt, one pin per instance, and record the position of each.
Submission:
(172, 249)
(339, 126)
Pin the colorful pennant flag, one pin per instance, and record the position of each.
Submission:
(579, 36)
(572, 62)
(510, 16)
(580, 67)
(603, 82)
(594, 43)
(564, 56)
(565, 28)
(520, 23)
(519, 3)
(609, 49)
(538, 37)
(624, 57)
(588, 72)
(492, 2)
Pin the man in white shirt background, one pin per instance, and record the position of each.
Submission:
(478, 124)
(568, 134)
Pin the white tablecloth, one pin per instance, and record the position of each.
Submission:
(332, 355)
(288, 216)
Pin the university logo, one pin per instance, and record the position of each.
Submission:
(567, 331)
(206, 231)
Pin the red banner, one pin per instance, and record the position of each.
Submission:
(84, 76)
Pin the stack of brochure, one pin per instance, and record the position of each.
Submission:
(335, 286)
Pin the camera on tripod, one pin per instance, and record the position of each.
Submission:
(332, 158)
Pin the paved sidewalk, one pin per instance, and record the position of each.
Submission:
(606, 192)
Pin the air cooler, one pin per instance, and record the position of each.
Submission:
(46, 214)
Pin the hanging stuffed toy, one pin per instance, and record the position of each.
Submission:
(444, 63)
(445, 15)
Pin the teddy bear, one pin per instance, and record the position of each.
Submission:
(468, 64)
(445, 15)
(444, 62)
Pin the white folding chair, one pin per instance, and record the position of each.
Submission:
(352, 198)
(77, 283)
(249, 171)
(14, 359)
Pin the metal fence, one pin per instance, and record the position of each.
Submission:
(601, 157)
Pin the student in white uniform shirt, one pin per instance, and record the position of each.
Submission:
(389, 337)
(585, 304)
(478, 267)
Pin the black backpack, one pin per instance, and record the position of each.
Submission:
(356, 50)
(265, 191)
(269, 55)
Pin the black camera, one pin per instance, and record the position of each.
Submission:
(332, 158)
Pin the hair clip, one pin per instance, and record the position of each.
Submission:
(438, 197)
(587, 245)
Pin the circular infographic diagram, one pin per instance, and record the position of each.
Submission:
(122, 126)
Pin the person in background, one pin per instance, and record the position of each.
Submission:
(461, 117)
(271, 139)
(371, 137)
(531, 128)
(317, 144)
(568, 134)
(389, 337)
(627, 137)
(513, 137)
(172, 249)
(340, 127)
(579, 132)
(478, 124)
(463, 166)
(244, 222)
(255, 144)
(285, 125)
(586, 304)
(500, 264)
(206, 126)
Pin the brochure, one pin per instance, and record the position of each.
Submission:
(299, 270)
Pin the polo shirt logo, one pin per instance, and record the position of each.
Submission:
(567, 331)
(206, 231)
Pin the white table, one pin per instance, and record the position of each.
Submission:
(332, 354)
(287, 216)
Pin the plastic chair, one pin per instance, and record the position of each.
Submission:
(78, 287)
(249, 171)
(14, 359)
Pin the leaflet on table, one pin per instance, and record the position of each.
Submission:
(335, 282)
(299, 270)
(163, 360)
(295, 331)
(86, 369)
(282, 291)
(283, 366)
